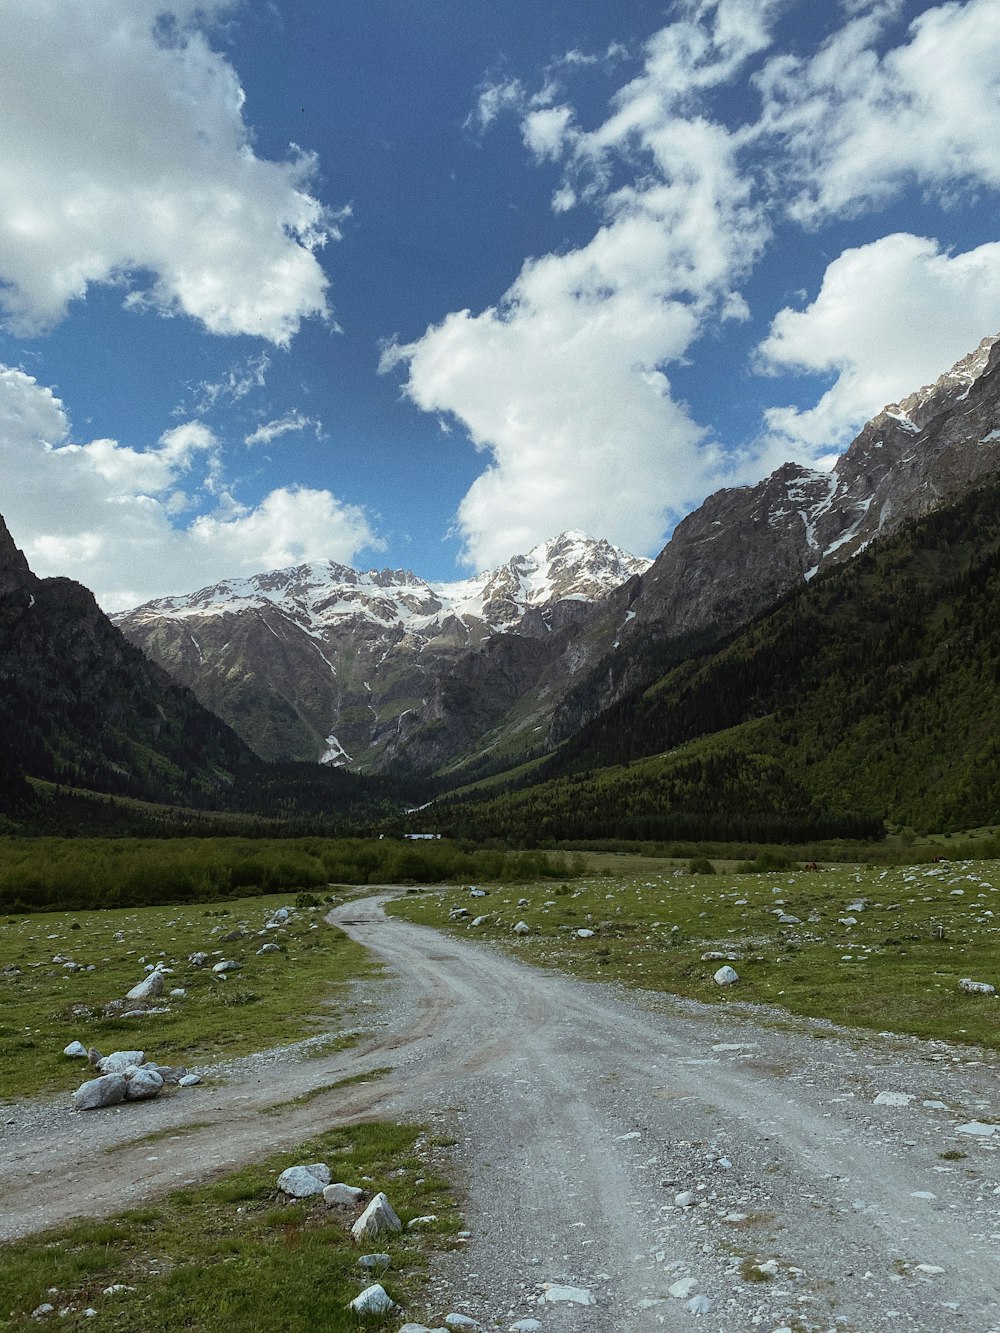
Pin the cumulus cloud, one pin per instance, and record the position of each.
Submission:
(112, 515)
(855, 127)
(135, 166)
(562, 382)
(889, 317)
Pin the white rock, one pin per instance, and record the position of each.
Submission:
(178, 993)
(522, 928)
(303, 1181)
(685, 1199)
(931, 1269)
(976, 1128)
(375, 1260)
(522, 1326)
(378, 1216)
(141, 1084)
(893, 1099)
(108, 1090)
(457, 1320)
(555, 1292)
(118, 1061)
(148, 988)
(684, 1288)
(269, 947)
(976, 987)
(416, 1223)
(188, 1080)
(848, 920)
(726, 976)
(478, 920)
(699, 1305)
(585, 934)
(922, 1194)
(198, 959)
(786, 919)
(76, 1048)
(342, 1194)
(770, 1267)
(227, 965)
(373, 1300)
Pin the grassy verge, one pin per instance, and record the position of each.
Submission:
(275, 998)
(915, 932)
(235, 1254)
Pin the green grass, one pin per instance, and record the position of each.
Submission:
(234, 1253)
(280, 997)
(887, 971)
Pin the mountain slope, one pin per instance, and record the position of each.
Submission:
(871, 693)
(82, 706)
(325, 662)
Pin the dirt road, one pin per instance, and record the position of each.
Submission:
(614, 1147)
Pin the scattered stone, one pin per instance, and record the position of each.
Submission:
(585, 934)
(76, 1048)
(303, 1181)
(685, 1199)
(457, 1320)
(786, 919)
(478, 920)
(553, 1292)
(522, 1326)
(178, 993)
(932, 1270)
(377, 1217)
(976, 1128)
(522, 928)
(375, 1260)
(189, 1080)
(148, 988)
(198, 959)
(684, 1288)
(269, 947)
(108, 1090)
(342, 1194)
(142, 1083)
(40, 1311)
(893, 1099)
(699, 1305)
(458, 914)
(416, 1223)
(922, 1194)
(227, 965)
(373, 1300)
(726, 976)
(976, 987)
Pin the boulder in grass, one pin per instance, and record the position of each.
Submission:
(373, 1300)
(148, 988)
(142, 1083)
(76, 1048)
(108, 1090)
(342, 1194)
(118, 1061)
(378, 1216)
(522, 928)
(726, 976)
(303, 1181)
(976, 987)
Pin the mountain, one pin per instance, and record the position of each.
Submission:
(745, 547)
(383, 671)
(82, 706)
(325, 662)
(869, 694)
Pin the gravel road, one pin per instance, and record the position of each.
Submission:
(613, 1145)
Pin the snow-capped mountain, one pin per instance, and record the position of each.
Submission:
(323, 661)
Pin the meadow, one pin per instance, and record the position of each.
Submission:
(236, 1252)
(870, 947)
(48, 997)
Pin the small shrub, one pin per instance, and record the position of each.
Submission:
(700, 865)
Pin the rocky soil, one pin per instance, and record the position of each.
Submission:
(629, 1161)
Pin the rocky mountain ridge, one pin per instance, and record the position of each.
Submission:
(386, 671)
(324, 661)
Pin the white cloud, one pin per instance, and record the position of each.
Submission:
(108, 514)
(854, 127)
(562, 382)
(236, 383)
(284, 425)
(889, 317)
(125, 158)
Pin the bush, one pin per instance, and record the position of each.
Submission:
(700, 865)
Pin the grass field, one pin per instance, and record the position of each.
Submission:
(235, 1254)
(279, 997)
(882, 948)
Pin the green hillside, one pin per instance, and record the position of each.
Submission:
(872, 694)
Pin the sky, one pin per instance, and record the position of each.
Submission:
(420, 283)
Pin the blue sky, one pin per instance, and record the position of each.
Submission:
(420, 283)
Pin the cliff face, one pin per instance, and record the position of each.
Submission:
(81, 705)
